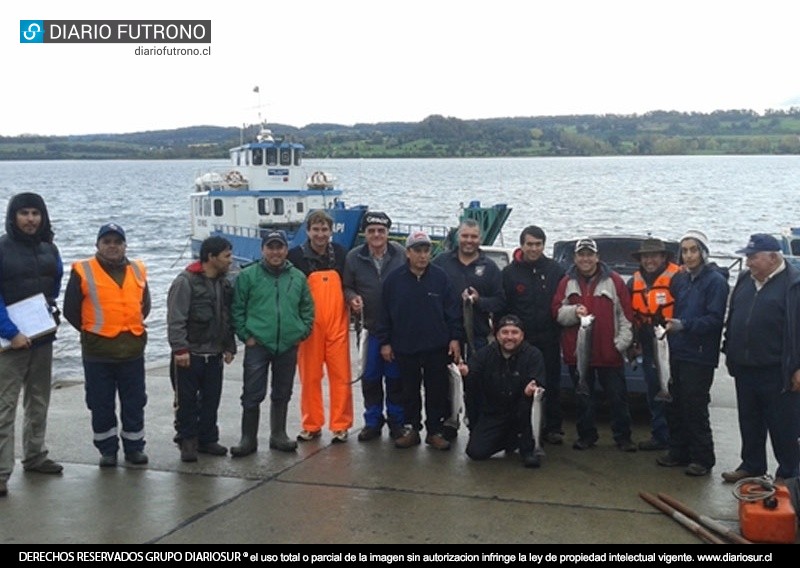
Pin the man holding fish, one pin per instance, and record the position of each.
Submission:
(593, 305)
(652, 304)
(365, 269)
(480, 284)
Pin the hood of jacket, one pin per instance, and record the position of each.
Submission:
(20, 201)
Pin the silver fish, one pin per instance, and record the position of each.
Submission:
(661, 360)
(468, 313)
(536, 419)
(456, 395)
(583, 354)
(362, 342)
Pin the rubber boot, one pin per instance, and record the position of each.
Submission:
(249, 441)
(278, 440)
(189, 450)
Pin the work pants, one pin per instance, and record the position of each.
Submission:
(428, 368)
(612, 379)
(376, 371)
(690, 440)
(257, 361)
(507, 430)
(104, 381)
(198, 389)
(29, 370)
(764, 407)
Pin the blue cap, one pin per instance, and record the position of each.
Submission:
(760, 242)
(110, 228)
(276, 235)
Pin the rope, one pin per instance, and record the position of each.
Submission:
(760, 488)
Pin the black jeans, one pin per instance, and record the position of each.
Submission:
(428, 368)
(198, 389)
(690, 437)
(612, 379)
(497, 431)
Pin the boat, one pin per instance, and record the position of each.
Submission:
(790, 245)
(265, 186)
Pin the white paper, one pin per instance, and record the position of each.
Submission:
(31, 316)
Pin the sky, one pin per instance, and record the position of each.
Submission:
(359, 61)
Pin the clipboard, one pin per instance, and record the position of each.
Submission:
(32, 317)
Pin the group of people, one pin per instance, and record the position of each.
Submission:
(505, 332)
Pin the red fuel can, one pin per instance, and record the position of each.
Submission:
(772, 519)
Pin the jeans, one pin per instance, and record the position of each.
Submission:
(376, 372)
(257, 360)
(612, 379)
(428, 368)
(689, 426)
(198, 389)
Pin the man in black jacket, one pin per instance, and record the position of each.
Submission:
(30, 264)
(530, 283)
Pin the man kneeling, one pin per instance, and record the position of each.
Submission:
(499, 384)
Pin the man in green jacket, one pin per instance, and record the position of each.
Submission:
(272, 313)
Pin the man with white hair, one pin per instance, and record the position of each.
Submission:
(695, 330)
(762, 346)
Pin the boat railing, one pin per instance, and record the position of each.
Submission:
(239, 231)
(435, 232)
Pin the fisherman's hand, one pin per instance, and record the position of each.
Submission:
(183, 359)
(530, 388)
(251, 342)
(356, 304)
(20, 341)
(455, 350)
(673, 325)
(633, 351)
(387, 353)
(463, 369)
(227, 357)
(581, 310)
(470, 295)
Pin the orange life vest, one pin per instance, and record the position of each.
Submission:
(108, 309)
(646, 302)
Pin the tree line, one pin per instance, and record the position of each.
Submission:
(652, 133)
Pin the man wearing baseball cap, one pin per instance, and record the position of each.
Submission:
(762, 347)
(420, 326)
(500, 382)
(107, 300)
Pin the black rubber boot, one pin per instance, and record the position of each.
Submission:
(189, 450)
(278, 440)
(249, 441)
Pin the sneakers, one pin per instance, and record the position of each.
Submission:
(554, 438)
(653, 445)
(136, 458)
(369, 433)
(339, 437)
(584, 443)
(212, 448)
(437, 441)
(697, 470)
(48, 466)
(409, 437)
(626, 446)
(3, 488)
(306, 436)
(108, 460)
(737, 475)
(668, 460)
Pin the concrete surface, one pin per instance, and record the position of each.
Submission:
(353, 492)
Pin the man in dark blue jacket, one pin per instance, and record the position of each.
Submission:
(762, 347)
(420, 326)
(695, 330)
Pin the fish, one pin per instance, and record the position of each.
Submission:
(468, 313)
(661, 360)
(583, 354)
(456, 395)
(362, 342)
(536, 419)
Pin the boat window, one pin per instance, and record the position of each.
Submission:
(258, 156)
(272, 156)
(298, 157)
(300, 206)
(263, 206)
(277, 206)
(286, 157)
(218, 207)
(796, 247)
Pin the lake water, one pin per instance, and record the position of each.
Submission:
(727, 197)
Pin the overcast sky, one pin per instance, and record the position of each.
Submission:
(349, 61)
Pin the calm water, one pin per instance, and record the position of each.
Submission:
(727, 197)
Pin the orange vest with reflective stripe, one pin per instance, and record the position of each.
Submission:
(647, 302)
(108, 309)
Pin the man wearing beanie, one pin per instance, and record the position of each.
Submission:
(501, 379)
(762, 348)
(107, 300)
(365, 269)
(701, 294)
(30, 264)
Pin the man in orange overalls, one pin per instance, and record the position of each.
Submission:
(322, 261)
